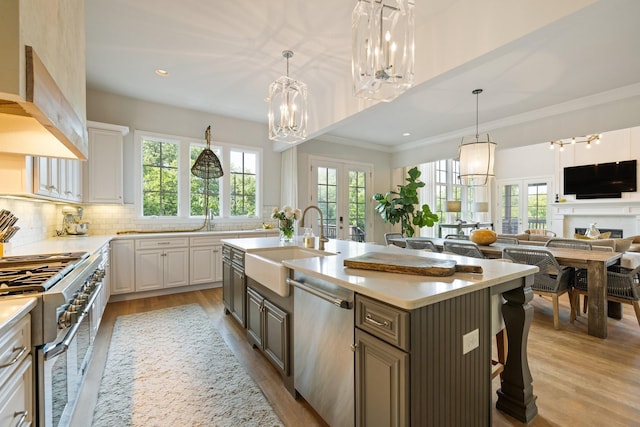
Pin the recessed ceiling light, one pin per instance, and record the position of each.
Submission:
(406, 134)
(162, 73)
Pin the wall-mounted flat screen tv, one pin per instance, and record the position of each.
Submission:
(602, 180)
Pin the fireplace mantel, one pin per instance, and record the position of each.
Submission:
(606, 213)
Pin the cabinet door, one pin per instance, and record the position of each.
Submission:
(149, 270)
(254, 317)
(382, 383)
(239, 294)
(104, 166)
(46, 181)
(276, 336)
(176, 267)
(16, 396)
(227, 285)
(122, 277)
(202, 267)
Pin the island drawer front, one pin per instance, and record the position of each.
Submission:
(226, 252)
(386, 322)
(161, 243)
(237, 257)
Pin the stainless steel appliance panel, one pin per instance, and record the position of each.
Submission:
(323, 349)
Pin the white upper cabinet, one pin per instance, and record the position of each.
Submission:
(103, 171)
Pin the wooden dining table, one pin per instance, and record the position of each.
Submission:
(595, 262)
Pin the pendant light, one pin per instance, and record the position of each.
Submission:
(476, 156)
(383, 51)
(207, 166)
(287, 108)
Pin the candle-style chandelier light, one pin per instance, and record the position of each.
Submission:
(287, 108)
(383, 51)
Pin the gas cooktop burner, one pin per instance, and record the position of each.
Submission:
(35, 273)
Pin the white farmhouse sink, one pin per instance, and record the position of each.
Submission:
(265, 265)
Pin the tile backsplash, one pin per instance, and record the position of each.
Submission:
(39, 220)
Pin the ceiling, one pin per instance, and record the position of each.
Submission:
(222, 56)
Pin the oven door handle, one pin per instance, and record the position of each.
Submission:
(63, 345)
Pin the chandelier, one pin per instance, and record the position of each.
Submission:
(383, 50)
(595, 138)
(287, 108)
(476, 156)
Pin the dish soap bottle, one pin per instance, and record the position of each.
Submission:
(308, 239)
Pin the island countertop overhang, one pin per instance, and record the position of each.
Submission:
(401, 290)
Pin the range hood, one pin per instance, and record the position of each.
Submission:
(44, 124)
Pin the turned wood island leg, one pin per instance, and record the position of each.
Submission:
(515, 396)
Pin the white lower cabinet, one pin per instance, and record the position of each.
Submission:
(122, 278)
(164, 267)
(16, 375)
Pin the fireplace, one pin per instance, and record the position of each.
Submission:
(616, 233)
(572, 217)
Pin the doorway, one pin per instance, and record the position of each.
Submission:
(524, 205)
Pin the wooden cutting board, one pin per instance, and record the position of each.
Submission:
(409, 264)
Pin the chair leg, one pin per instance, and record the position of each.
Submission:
(556, 312)
(636, 307)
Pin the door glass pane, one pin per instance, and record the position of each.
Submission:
(537, 206)
(357, 205)
(327, 199)
(510, 196)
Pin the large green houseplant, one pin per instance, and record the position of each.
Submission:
(400, 206)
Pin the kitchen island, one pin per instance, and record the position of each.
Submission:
(442, 373)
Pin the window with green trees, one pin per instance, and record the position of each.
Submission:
(168, 189)
(243, 169)
(159, 178)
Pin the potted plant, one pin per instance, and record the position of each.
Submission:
(400, 206)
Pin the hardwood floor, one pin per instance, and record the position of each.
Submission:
(579, 380)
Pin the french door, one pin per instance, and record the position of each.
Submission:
(524, 205)
(342, 192)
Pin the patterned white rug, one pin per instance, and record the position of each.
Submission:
(170, 367)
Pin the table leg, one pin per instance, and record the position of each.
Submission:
(597, 304)
(515, 396)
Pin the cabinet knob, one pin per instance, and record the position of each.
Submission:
(354, 347)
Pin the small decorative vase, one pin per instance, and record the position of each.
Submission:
(286, 230)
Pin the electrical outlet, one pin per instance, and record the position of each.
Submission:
(470, 341)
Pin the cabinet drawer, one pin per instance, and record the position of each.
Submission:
(226, 252)
(237, 257)
(16, 401)
(14, 346)
(210, 240)
(160, 243)
(386, 322)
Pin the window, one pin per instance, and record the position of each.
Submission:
(243, 183)
(168, 189)
(447, 185)
(159, 178)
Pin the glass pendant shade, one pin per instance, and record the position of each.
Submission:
(476, 161)
(287, 108)
(383, 48)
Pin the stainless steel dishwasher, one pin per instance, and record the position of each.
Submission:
(323, 331)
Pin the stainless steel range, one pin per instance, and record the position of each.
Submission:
(64, 322)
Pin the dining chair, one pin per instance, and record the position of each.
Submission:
(568, 244)
(507, 240)
(457, 236)
(623, 285)
(551, 279)
(421, 244)
(389, 236)
(463, 248)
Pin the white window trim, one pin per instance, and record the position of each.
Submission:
(184, 175)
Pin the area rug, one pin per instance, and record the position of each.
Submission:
(170, 367)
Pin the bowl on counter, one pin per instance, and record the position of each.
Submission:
(77, 228)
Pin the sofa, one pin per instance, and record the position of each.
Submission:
(627, 244)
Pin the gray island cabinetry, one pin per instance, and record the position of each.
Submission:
(234, 283)
(421, 345)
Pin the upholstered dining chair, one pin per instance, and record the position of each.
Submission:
(424, 244)
(463, 248)
(389, 236)
(551, 280)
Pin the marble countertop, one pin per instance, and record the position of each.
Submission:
(401, 290)
(12, 310)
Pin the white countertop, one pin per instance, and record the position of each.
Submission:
(12, 310)
(401, 290)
